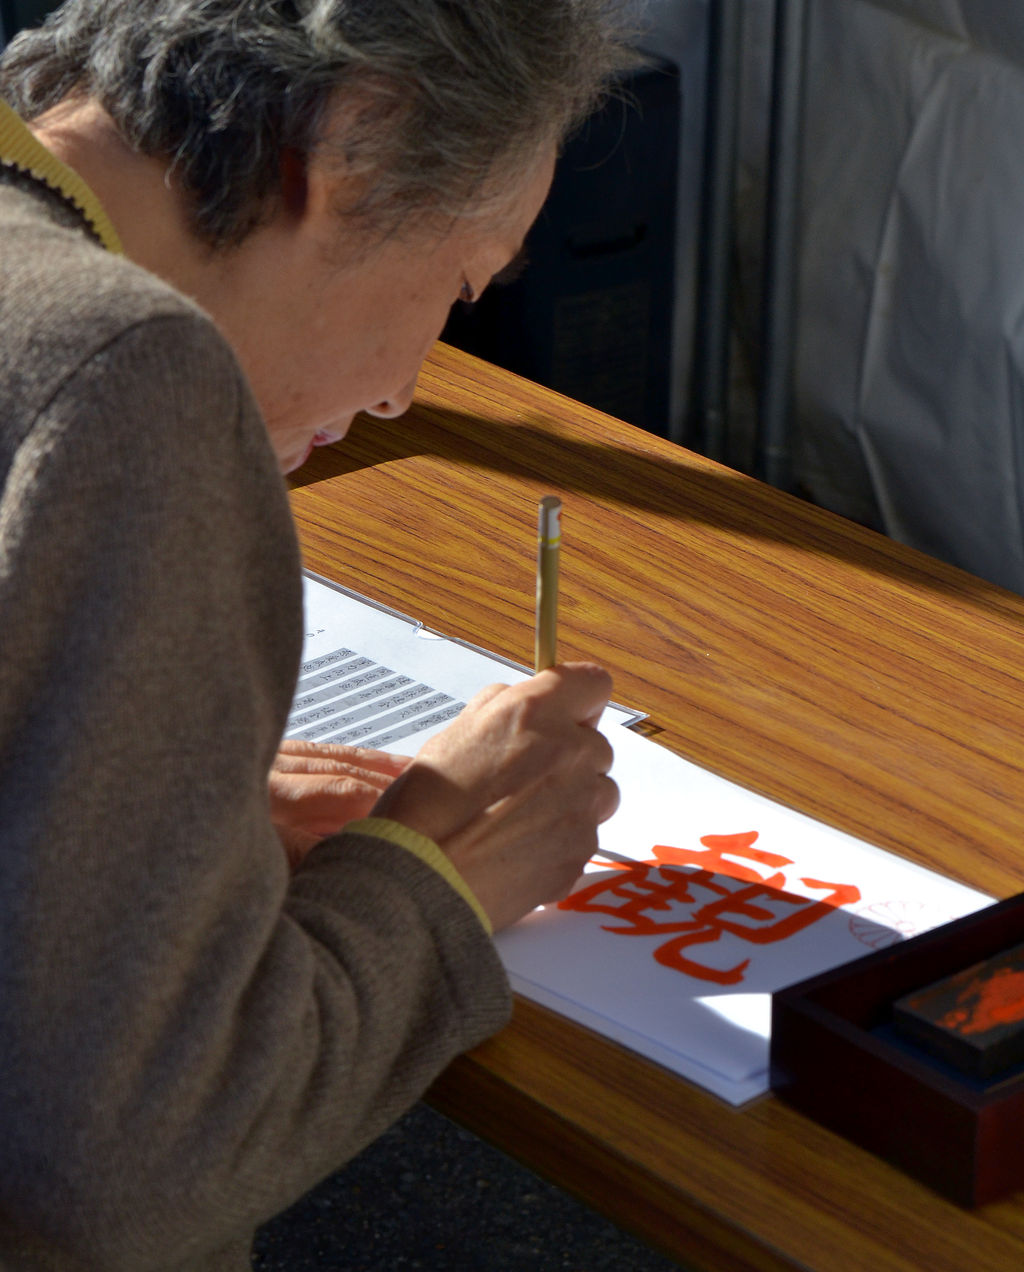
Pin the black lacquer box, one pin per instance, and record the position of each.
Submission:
(916, 1052)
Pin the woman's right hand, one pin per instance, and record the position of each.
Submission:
(514, 790)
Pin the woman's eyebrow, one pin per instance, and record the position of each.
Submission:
(512, 270)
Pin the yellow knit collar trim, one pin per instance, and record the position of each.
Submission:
(20, 149)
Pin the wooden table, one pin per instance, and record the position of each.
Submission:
(771, 642)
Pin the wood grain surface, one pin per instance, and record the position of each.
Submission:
(787, 649)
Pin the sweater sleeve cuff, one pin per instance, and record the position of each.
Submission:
(427, 851)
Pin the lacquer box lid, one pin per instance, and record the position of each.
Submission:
(878, 1051)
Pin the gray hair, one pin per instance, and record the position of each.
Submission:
(439, 99)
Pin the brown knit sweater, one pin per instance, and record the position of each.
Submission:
(189, 1037)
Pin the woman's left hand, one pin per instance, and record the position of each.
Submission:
(315, 788)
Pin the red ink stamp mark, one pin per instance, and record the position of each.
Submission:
(884, 923)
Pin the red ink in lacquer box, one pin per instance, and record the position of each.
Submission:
(989, 1003)
(649, 898)
(974, 1019)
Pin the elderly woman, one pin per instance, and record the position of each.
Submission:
(226, 227)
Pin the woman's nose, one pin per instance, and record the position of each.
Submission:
(397, 404)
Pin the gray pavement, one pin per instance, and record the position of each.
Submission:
(429, 1195)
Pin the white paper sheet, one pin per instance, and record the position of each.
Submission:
(784, 896)
(715, 1033)
(373, 677)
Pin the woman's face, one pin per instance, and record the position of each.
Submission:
(334, 340)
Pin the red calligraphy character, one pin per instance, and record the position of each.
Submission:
(643, 896)
(639, 895)
(711, 920)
